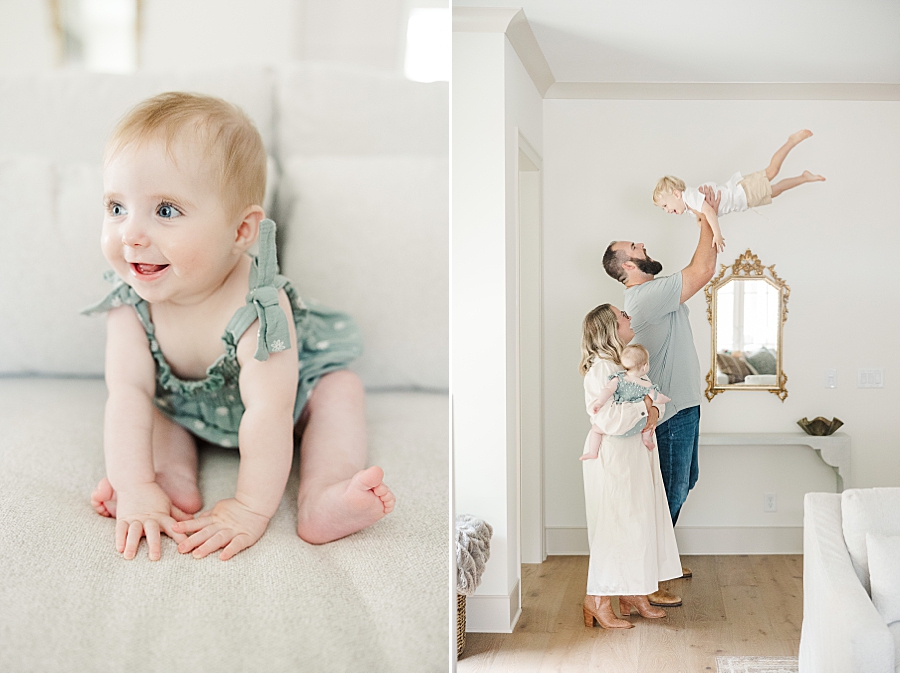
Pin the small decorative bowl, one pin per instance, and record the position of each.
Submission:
(820, 426)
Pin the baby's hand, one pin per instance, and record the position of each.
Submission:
(145, 510)
(229, 524)
(718, 243)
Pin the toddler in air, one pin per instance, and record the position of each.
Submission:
(738, 194)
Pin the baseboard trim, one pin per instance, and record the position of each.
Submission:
(572, 540)
(493, 613)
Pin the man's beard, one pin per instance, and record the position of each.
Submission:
(649, 266)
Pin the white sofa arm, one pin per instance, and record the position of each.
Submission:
(842, 631)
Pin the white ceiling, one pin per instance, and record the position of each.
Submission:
(826, 41)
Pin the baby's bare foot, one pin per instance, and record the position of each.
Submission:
(812, 177)
(182, 491)
(103, 499)
(345, 507)
(588, 456)
(799, 136)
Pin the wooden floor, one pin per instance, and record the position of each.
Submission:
(733, 606)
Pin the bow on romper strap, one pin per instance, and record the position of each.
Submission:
(262, 301)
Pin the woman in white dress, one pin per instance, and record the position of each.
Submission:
(630, 530)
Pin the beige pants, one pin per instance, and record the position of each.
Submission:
(757, 188)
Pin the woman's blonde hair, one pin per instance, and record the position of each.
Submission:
(634, 355)
(667, 185)
(600, 338)
(230, 140)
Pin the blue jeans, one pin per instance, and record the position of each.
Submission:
(677, 439)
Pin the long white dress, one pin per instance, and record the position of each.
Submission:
(629, 526)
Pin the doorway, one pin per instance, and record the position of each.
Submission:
(529, 355)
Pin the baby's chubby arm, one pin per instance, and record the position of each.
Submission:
(142, 508)
(268, 390)
(605, 396)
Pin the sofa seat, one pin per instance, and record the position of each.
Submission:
(70, 602)
(894, 628)
(842, 632)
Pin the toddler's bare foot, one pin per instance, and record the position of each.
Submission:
(343, 508)
(103, 499)
(182, 491)
(647, 438)
(812, 177)
(799, 136)
(588, 456)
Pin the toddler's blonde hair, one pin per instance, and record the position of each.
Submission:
(226, 133)
(634, 356)
(667, 185)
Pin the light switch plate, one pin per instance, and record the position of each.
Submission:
(870, 378)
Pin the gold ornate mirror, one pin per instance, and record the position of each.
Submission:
(747, 309)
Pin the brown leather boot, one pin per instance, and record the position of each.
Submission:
(641, 604)
(664, 599)
(599, 609)
(685, 573)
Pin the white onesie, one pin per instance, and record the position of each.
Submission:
(733, 196)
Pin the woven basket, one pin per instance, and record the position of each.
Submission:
(460, 624)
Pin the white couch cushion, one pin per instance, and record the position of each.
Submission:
(868, 510)
(332, 109)
(895, 634)
(51, 267)
(884, 574)
(69, 115)
(368, 235)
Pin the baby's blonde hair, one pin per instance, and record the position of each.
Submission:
(226, 133)
(634, 356)
(667, 185)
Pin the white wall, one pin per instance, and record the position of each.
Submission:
(492, 98)
(210, 33)
(217, 33)
(27, 39)
(833, 243)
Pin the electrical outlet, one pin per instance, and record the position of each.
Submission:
(770, 502)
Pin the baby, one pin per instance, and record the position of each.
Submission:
(738, 194)
(627, 387)
(207, 342)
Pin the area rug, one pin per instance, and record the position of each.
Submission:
(756, 664)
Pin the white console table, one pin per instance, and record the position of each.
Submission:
(834, 449)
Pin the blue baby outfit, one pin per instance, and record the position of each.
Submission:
(627, 392)
(211, 408)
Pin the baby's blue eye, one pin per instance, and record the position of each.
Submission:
(116, 210)
(168, 211)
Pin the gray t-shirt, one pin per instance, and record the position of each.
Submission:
(661, 325)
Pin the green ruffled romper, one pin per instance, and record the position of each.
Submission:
(211, 408)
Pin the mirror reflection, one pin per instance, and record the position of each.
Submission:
(747, 308)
